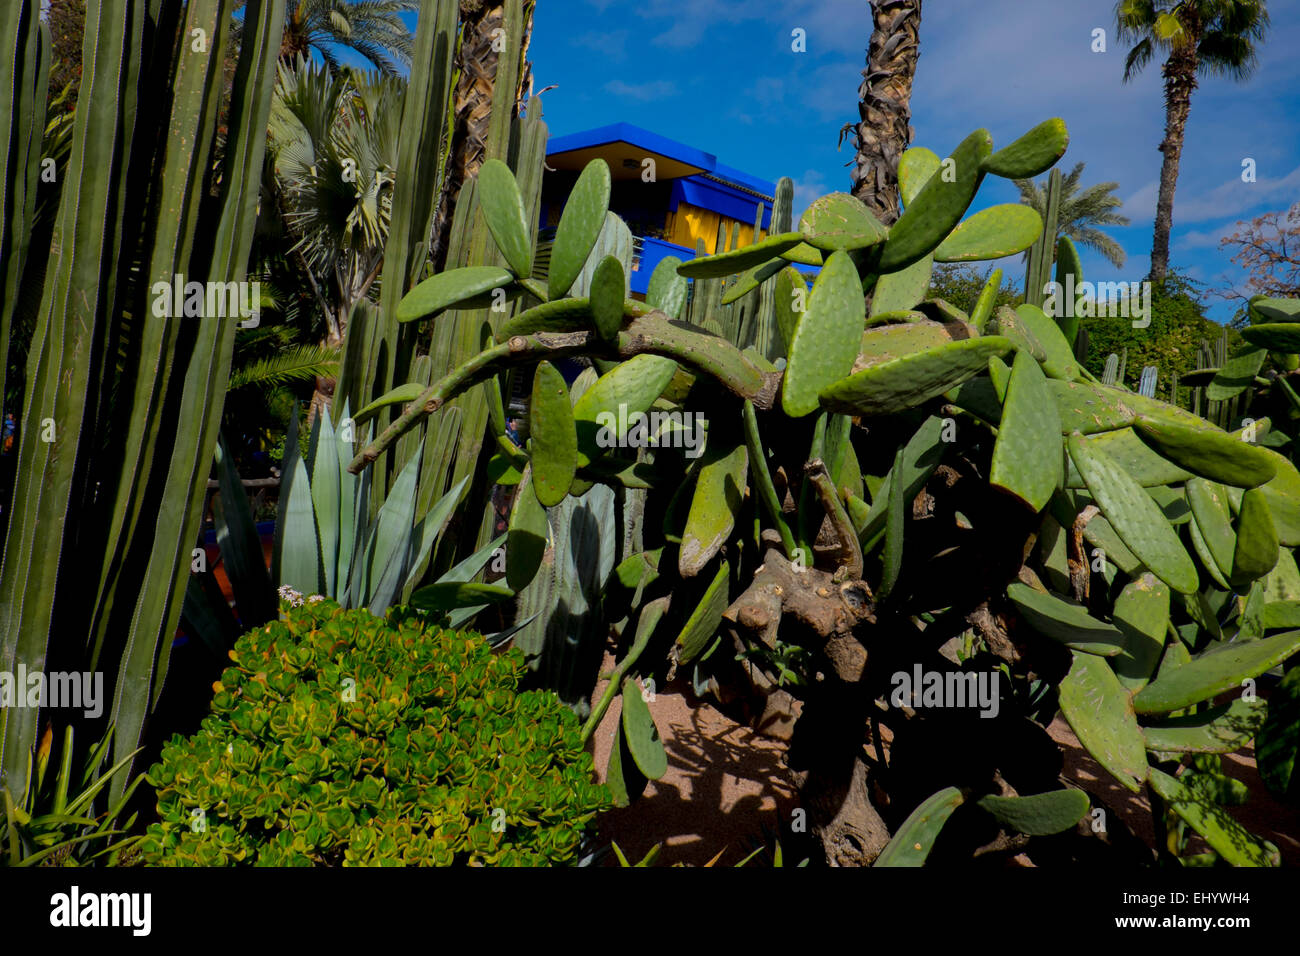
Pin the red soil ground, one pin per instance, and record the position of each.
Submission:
(728, 789)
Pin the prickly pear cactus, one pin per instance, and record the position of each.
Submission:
(934, 523)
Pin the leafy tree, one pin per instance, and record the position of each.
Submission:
(1268, 248)
(1171, 343)
(1202, 38)
(962, 283)
(1081, 212)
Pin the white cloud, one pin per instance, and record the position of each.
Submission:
(686, 32)
(610, 43)
(654, 90)
(1203, 239)
(1230, 199)
(811, 185)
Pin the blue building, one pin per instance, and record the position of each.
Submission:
(671, 195)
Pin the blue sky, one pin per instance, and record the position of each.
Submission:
(721, 76)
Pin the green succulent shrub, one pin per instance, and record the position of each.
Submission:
(340, 738)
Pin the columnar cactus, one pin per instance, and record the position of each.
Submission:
(119, 420)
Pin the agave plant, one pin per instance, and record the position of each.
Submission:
(328, 542)
(51, 825)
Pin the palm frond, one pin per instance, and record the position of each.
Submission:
(1138, 58)
(295, 364)
(373, 28)
(1226, 54)
(1080, 212)
(1098, 241)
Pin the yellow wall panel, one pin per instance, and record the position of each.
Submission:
(690, 223)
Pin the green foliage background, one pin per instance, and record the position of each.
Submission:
(1171, 343)
(962, 283)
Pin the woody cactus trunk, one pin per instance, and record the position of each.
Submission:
(935, 529)
(119, 418)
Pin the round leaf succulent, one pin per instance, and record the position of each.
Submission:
(340, 738)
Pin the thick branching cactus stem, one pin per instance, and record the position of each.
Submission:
(842, 817)
(652, 334)
(825, 609)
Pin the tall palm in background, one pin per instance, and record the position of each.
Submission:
(476, 70)
(372, 28)
(1202, 38)
(1081, 212)
(883, 130)
(333, 158)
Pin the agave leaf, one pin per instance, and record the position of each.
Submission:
(447, 595)
(300, 565)
(392, 541)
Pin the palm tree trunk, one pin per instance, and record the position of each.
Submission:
(476, 64)
(884, 99)
(1180, 80)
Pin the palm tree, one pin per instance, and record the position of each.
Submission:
(333, 145)
(884, 131)
(476, 72)
(373, 28)
(333, 156)
(1079, 213)
(1203, 38)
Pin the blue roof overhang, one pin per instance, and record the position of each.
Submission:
(723, 198)
(624, 146)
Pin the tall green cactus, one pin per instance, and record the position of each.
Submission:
(22, 103)
(122, 406)
(743, 310)
(422, 146)
(1041, 253)
(386, 352)
(766, 336)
